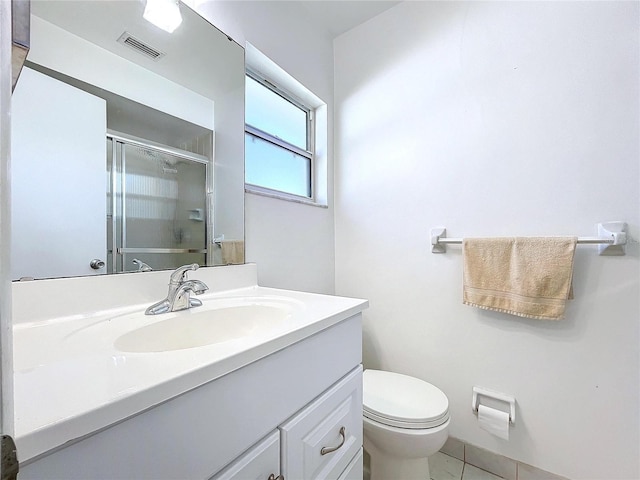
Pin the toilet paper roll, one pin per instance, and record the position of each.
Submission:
(494, 421)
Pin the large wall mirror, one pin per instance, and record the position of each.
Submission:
(127, 143)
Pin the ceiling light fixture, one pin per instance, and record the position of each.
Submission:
(164, 14)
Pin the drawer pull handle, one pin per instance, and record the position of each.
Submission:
(326, 450)
(273, 477)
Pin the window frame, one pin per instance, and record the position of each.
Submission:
(308, 153)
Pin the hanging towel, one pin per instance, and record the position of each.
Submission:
(524, 276)
(232, 252)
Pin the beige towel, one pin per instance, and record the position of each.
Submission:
(528, 277)
(232, 252)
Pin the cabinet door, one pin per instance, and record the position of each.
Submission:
(322, 439)
(260, 462)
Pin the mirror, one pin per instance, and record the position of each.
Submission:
(127, 143)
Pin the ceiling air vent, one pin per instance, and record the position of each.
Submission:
(139, 46)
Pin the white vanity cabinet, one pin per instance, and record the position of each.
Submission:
(322, 441)
(270, 417)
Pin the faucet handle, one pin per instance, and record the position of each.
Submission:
(180, 273)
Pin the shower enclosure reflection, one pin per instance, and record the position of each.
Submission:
(159, 212)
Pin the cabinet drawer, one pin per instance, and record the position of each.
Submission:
(354, 470)
(257, 463)
(321, 440)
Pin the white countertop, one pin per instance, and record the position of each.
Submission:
(71, 381)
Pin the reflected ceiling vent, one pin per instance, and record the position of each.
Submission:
(139, 46)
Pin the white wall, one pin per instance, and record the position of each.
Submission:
(293, 244)
(497, 118)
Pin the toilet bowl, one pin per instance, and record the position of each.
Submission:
(406, 420)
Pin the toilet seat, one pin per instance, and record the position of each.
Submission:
(402, 401)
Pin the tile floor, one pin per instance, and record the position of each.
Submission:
(445, 467)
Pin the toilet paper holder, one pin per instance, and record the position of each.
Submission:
(495, 398)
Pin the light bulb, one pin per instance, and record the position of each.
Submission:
(164, 14)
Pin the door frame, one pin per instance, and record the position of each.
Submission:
(6, 337)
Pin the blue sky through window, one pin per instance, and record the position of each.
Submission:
(271, 113)
(270, 166)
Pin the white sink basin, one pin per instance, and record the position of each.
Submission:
(196, 328)
(223, 321)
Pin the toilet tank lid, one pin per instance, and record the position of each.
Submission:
(403, 398)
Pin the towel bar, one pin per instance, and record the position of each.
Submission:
(613, 238)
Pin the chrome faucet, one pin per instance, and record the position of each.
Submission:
(142, 267)
(180, 290)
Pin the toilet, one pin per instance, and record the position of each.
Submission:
(406, 420)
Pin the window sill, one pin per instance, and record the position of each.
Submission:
(263, 192)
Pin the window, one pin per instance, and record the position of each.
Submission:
(279, 141)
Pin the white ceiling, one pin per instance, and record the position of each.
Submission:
(339, 16)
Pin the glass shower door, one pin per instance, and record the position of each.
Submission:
(160, 207)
